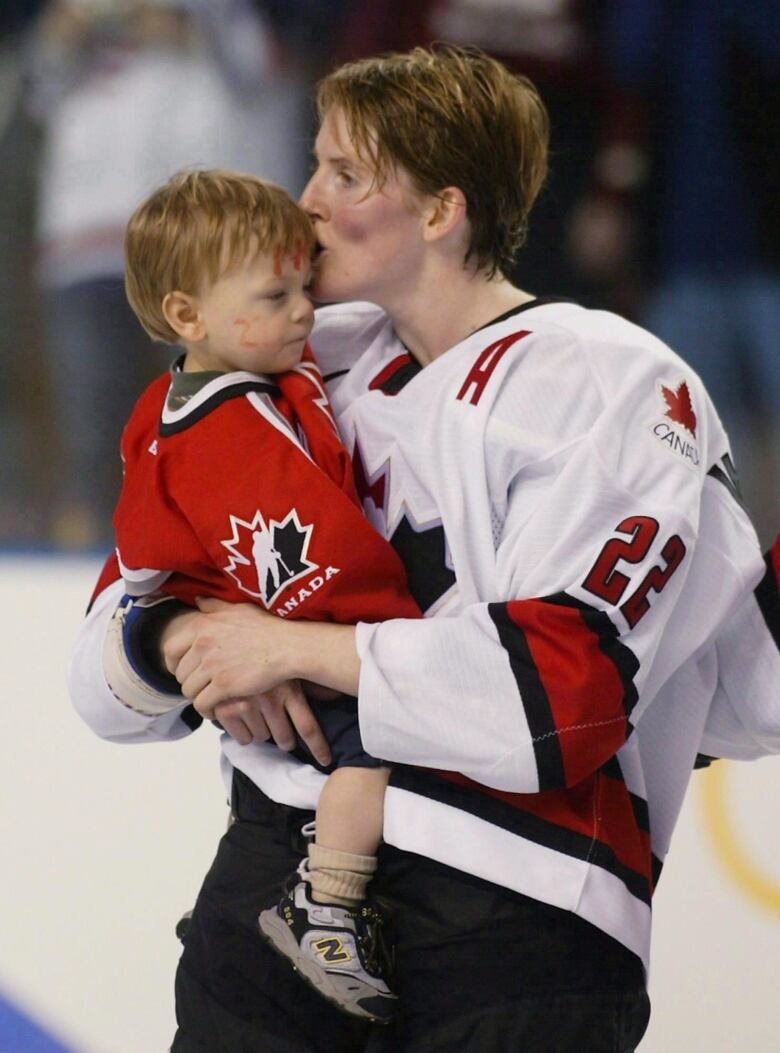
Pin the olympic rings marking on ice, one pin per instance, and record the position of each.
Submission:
(728, 848)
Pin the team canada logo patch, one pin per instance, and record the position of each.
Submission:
(680, 409)
(676, 429)
(264, 559)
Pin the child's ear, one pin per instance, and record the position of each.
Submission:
(183, 314)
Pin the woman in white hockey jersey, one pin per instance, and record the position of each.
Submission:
(560, 490)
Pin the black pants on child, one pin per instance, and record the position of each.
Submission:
(479, 969)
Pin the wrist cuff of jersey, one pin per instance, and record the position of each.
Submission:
(131, 663)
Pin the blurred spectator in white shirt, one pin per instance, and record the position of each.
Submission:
(127, 93)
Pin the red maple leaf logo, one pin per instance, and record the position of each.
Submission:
(680, 408)
(366, 489)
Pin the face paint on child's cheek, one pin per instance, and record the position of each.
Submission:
(245, 339)
(298, 258)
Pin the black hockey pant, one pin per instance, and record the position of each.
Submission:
(479, 969)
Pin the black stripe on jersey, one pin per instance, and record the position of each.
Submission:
(726, 473)
(232, 391)
(540, 301)
(657, 868)
(395, 375)
(423, 554)
(638, 806)
(768, 598)
(541, 724)
(191, 718)
(334, 376)
(524, 824)
(622, 657)
(398, 381)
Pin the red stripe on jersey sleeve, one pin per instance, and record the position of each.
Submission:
(575, 681)
(584, 688)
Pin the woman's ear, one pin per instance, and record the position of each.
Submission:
(183, 314)
(446, 211)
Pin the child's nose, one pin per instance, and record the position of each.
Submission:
(304, 309)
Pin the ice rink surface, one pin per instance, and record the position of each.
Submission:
(103, 848)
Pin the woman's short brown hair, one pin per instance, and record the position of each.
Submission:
(196, 227)
(451, 116)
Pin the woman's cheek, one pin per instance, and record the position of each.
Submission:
(351, 230)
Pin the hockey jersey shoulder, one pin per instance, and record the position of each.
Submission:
(645, 411)
(341, 334)
(145, 418)
(525, 377)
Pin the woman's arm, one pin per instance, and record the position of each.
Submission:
(240, 650)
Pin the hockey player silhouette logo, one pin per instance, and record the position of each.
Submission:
(266, 558)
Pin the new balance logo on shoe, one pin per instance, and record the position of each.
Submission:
(332, 950)
(337, 951)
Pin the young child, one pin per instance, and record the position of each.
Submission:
(237, 486)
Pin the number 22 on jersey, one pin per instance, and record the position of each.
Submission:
(610, 584)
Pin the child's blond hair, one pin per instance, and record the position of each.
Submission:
(195, 228)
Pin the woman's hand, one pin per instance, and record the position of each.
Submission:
(220, 655)
(276, 716)
(239, 665)
(228, 651)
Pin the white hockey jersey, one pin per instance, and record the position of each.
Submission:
(559, 488)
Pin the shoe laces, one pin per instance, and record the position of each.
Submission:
(372, 938)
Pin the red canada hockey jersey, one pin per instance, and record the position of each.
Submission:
(245, 492)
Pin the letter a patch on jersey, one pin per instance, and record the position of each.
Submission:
(264, 559)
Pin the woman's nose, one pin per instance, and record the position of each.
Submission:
(311, 200)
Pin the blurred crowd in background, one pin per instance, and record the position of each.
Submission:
(663, 201)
